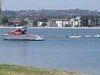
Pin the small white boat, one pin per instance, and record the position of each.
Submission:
(87, 36)
(18, 35)
(74, 36)
(97, 36)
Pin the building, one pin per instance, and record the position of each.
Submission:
(90, 21)
(40, 24)
(59, 23)
(28, 22)
(52, 23)
(69, 22)
(75, 22)
(16, 21)
(96, 22)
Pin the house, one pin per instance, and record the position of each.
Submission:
(28, 22)
(40, 24)
(16, 21)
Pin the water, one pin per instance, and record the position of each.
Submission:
(55, 52)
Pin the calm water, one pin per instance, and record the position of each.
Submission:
(55, 52)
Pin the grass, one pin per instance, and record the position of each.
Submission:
(19, 70)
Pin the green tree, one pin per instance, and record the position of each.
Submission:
(44, 24)
(5, 20)
(35, 23)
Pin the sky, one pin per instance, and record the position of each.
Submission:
(50, 4)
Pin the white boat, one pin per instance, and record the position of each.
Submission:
(74, 36)
(87, 36)
(97, 36)
(19, 35)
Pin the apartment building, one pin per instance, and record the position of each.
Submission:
(90, 21)
(72, 22)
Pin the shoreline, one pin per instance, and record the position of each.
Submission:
(24, 70)
(55, 27)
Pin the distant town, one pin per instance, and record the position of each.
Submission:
(50, 18)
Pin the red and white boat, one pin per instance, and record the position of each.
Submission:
(18, 35)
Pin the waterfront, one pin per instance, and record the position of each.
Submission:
(55, 52)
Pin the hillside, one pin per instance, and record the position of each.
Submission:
(19, 70)
(49, 13)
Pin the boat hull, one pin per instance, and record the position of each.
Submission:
(22, 37)
(74, 36)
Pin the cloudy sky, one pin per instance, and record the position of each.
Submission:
(50, 4)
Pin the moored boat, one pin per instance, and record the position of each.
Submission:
(87, 36)
(97, 36)
(74, 36)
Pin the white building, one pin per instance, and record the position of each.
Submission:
(75, 22)
(72, 22)
(29, 22)
(59, 23)
(65, 23)
(40, 24)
